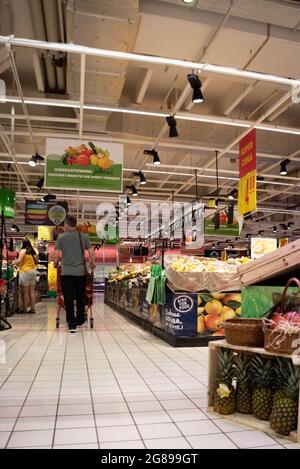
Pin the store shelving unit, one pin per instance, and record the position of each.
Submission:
(247, 420)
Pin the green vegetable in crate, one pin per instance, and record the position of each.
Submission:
(244, 388)
(225, 397)
(262, 397)
(284, 416)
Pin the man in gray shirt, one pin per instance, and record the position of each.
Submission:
(73, 244)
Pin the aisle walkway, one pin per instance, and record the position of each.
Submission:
(116, 386)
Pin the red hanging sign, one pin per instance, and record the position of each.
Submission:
(247, 153)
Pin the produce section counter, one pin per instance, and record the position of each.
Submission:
(181, 321)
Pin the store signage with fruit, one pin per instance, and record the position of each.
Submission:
(262, 246)
(84, 165)
(225, 228)
(111, 233)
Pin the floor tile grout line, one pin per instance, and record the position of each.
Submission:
(146, 383)
(21, 358)
(60, 386)
(155, 346)
(115, 330)
(91, 394)
(46, 349)
(175, 385)
(104, 351)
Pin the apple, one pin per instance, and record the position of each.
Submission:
(83, 160)
(200, 324)
(213, 322)
(214, 307)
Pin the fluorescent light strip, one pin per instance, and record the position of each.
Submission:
(193, 118)
(125, 111)
(111, 54)
(21, 162)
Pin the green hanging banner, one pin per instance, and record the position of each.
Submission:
(7, 202)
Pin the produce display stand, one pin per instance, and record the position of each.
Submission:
(272, 268)
(179, 329)
(264, 278)
(247, 420)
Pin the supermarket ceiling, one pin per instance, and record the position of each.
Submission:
(252, 35)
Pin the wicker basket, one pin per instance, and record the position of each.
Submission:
(278, 342)
(246, 332)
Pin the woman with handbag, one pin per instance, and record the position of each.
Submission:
(72, 244)
(27, 262)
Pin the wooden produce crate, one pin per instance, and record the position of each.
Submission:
(284, 259)
(247, 420)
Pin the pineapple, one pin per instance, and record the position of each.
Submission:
(284, 416)
(225, 398)
(243, 388)
(262, 397)
(279, 391)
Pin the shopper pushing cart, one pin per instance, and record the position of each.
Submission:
(73, 244)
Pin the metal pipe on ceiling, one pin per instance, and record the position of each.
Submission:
(20, 92)
(275, 106)
(39, 27)
(115, 55)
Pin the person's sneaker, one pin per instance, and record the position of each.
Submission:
(80, 326)
(72, 330)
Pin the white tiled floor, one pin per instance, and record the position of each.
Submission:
(116, 386)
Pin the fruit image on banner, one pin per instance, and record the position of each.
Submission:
(214, 309)
(84, 165)
(225, 229)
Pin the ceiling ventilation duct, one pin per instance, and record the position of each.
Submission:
(50, 68)
(105, 25)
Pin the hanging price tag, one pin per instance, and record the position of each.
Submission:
(247, 193)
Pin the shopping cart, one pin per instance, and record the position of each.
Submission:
(89, 293)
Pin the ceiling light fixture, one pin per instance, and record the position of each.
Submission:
(35, 160)
(15, 228)
(133, 190)
(153, 153)
(171, 121)
(141, 176)
(283, 165)
(260, 232)
(232, 194)
(274, 229)
(188, 1)
(40, 183)
(196, 84)
(128, 201)
(48, 197)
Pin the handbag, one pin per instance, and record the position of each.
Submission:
(89, 276)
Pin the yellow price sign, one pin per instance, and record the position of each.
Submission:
(45, 233)
(52, 277)
(247, 193)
